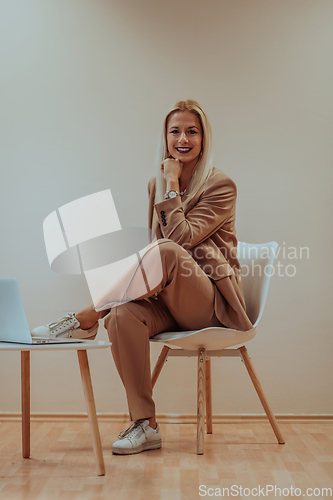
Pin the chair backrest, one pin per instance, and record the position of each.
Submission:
(257, 268)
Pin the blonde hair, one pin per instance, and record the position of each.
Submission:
(204, 166)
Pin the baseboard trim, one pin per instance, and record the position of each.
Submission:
(170, 418)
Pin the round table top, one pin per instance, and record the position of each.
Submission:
(81, 345)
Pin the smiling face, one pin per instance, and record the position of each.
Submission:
(184, 136)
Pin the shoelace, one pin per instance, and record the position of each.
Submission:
(132, 429)
(60, 322)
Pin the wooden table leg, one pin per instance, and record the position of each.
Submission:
(91, 410)
(25, 397)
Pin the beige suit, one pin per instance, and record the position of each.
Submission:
(207, 231)
(200, 286)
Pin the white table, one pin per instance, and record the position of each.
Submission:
(81, 348)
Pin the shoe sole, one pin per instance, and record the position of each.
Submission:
(132, 451)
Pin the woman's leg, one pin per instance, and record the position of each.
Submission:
(148, 278)
(88, 317)
(129, 327)
(185, 299)
(131, 285)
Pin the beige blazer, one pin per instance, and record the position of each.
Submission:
(206, 229)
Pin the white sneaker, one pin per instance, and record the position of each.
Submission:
(65, 327)
(136, 438)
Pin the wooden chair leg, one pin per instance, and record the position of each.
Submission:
(25, 398)
(201, 400)
(159, 364)
(258, 387)
(209, 424)
(91, 410)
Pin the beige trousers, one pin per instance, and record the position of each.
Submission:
(185, 301)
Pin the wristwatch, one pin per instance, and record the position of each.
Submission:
(171, 194)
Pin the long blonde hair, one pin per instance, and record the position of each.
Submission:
(204, 166)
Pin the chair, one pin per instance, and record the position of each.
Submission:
(257, 261)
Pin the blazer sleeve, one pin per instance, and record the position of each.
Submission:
(216, 205)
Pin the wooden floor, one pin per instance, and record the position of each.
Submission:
(63, 467)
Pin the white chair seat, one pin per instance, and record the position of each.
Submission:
(210, 338)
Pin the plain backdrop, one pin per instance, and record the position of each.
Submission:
(85, 86)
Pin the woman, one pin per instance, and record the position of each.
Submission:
(192, 212)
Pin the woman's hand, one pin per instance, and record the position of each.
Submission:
(171, 169)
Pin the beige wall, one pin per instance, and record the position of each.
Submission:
(84, 88)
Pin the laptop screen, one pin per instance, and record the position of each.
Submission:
(13, 322)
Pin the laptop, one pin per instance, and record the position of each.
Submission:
(13, 321)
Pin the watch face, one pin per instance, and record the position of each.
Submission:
(172, 194)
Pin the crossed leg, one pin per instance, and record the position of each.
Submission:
(183, 299)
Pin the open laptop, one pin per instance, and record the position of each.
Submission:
(13, 321)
